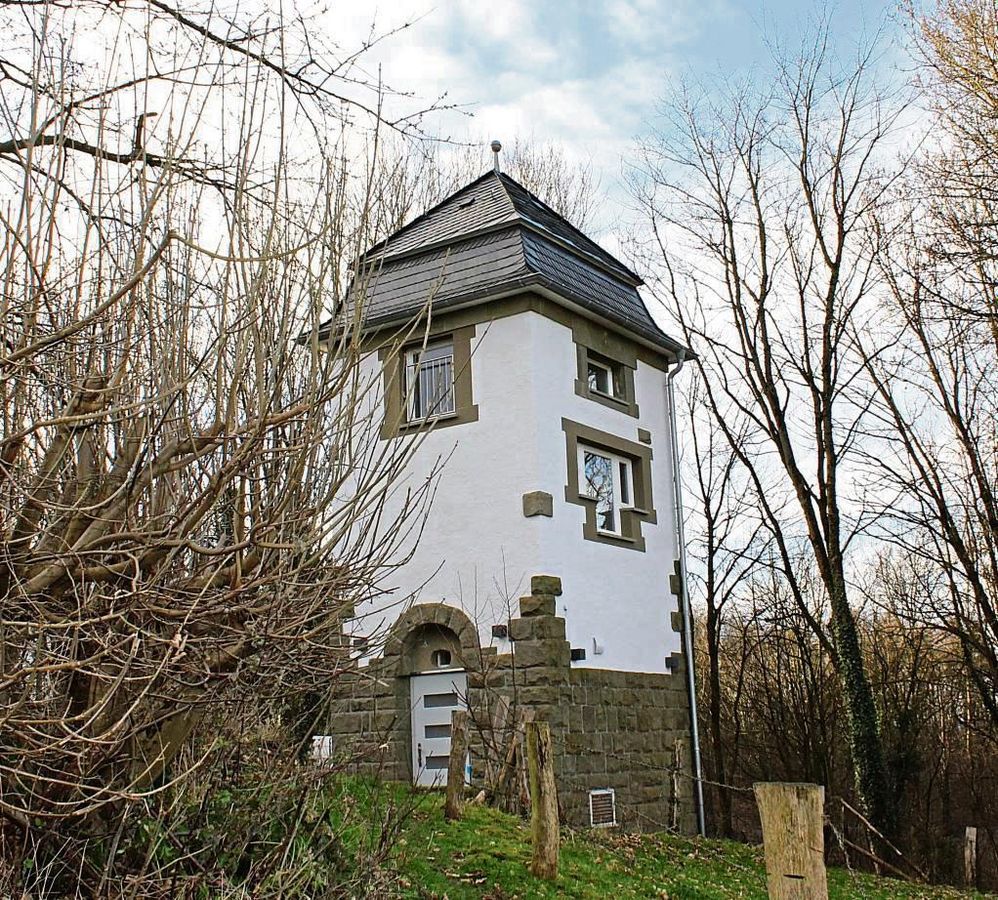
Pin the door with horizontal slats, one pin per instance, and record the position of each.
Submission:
(434, 698)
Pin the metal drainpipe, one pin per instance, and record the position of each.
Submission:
(691, 684)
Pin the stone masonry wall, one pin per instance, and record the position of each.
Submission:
(610, 729)
(622, 731)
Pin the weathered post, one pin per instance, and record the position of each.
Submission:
(970, 856)
(793, 839)
(455, 766)
(677, 769)
(543, 801)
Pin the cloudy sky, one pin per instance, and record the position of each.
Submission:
(586, 74)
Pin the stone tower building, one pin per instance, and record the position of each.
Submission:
(544, 578)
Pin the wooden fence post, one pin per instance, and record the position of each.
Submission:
(970, 856)
(793, 838)
(543, 801)
(456, 763)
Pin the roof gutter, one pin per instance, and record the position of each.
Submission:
(687, 611)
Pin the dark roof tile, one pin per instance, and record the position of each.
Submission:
(484, 204)
(535, 212)
(398, 288)
(494, 235)
(592, 287)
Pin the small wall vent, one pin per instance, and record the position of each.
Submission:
(602, 808)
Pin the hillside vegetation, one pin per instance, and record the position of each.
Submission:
(485, 856)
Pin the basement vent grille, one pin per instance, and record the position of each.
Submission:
(602, 808)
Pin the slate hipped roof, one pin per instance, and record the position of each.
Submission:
(494, 237)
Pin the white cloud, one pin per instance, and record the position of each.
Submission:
(497, 22)
(583, 75)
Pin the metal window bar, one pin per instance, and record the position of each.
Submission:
(433, 392)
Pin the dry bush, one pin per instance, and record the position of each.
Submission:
(192, 496)
(780, 712)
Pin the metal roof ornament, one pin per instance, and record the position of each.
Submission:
(496, 147)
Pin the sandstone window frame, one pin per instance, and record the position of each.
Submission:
(641, 508)
(395, 359)
(600, 349)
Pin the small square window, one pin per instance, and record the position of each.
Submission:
(429, 381)
(607, 479)
(441, 658)
(605, 378)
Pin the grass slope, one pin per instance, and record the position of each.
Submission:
(486, 854)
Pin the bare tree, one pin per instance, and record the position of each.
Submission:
(192, 497)
(938, 251)
(759, 208)
(414, 177)
(729, 545)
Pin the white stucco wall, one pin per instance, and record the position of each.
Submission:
(478, 551)
(614, 595)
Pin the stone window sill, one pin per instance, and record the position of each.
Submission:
(627, 407)
(457, 417)
(429, 420)
(613, 398)
(613, 536)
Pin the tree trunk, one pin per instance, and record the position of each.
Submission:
(714, 713)
(864, 728)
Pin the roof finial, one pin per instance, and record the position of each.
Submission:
(496, 147)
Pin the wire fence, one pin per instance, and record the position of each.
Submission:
(851, 839)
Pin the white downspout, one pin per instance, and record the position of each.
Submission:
(691, 685)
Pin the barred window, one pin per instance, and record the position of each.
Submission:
(430, 381)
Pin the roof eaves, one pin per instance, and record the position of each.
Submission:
(457, 301)
(655, 338)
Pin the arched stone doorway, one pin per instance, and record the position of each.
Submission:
(431, 648)
(435, 644)
(438, 685)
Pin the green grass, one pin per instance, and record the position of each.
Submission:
(486, 854)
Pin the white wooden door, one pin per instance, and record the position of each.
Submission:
(434, 698)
